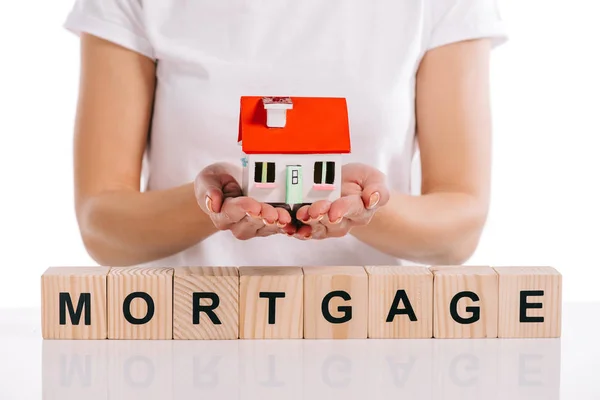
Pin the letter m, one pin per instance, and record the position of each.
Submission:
(83, 305)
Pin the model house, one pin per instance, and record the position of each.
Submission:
(292, 148)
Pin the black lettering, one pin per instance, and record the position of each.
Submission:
(524, 306)
(84, 304)
(475, 311)
(209, 310)
(272, 296)
(347, 310)
(127, 308)
(401, 295)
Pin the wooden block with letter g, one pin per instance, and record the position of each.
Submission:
(465, 302)
(271, 303)
(400, 302)
(205, 303)
(140, 303)
(530, 302)
(335, 302)
(74, 303)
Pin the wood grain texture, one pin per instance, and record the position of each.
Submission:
(215, 281)
(513, 281)
(155, 282)
(74, 281)
(448, 282)
(413, 289)
(320, 282)
(254, 310)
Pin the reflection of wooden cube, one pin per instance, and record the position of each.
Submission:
(465, 302)
(74, 303)
(140, 303)
(335, 303)
(530, 302)
(271, 303)
(400, 302)
(205, 303)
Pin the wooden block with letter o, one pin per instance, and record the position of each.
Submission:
(74, 303)
(205, 303)
(271, 303)
(530, 302)
(400, 302)
(335, 302)
(140, 303)
(465, 302)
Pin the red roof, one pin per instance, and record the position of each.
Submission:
(315, 125)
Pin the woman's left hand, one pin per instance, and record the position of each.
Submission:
(363, 191)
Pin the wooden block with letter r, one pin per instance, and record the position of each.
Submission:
(335, 302)
(74, 303)
(530, 302)
(205, 303)
(465, 302)
(400, 302)
(271, 302)
(140, 303)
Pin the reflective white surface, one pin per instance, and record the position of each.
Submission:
(518, 369)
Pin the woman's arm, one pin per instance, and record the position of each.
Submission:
(119, 225)
(444, 224)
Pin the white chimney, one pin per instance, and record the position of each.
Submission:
(276, 110)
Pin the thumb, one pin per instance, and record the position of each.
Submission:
(212, 185)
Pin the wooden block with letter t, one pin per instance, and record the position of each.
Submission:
(530, 302)
(400, 302)
(335, 302)
(205, 303)
(140, 303)
(74, 303)
(271, 303)
(465, 302)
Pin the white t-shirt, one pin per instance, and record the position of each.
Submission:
(211, 52)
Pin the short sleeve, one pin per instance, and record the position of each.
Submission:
(118, 21)
(458, 20)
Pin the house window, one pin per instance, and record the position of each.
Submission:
(264, 172)
(324, 172)
(294, 177)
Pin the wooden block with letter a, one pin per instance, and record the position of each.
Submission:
(74, 303)
(335, 302)
(205, 303)
(530, 302)
(400, 302)
(140, 303)
(465, 302)
(271, 303)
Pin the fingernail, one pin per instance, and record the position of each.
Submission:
(208, 202)
(308, 237)
(251, 216)
(280, 225)
(266, 222)
(374, 200)
(337, 221)
(319, 218)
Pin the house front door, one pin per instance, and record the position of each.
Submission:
(293, 188)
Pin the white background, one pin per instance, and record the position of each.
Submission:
(546, 104)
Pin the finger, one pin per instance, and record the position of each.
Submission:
(313, 213)
(214, 184)
(336, 230)
(304, 232)
(283, 217)
(236, 209)
(346, 206)
(247, 228)
(269, 214)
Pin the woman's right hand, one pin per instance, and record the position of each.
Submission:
(220, 196)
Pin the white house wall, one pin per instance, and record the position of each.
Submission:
(307, 161)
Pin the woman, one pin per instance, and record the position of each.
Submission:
(161, 82)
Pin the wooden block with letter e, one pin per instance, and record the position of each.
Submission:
(205, 303)
(400, 302)
(465, 302)
(74, 303)
(530, 302)
(271, 303)
(140, 303)
(335, 302)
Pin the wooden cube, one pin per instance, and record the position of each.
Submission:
(530, 302)
(205, 303)
(400, 302)
(335, 302)
(465, 302)
(271, 303)
(140, 303)
(74, 303)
